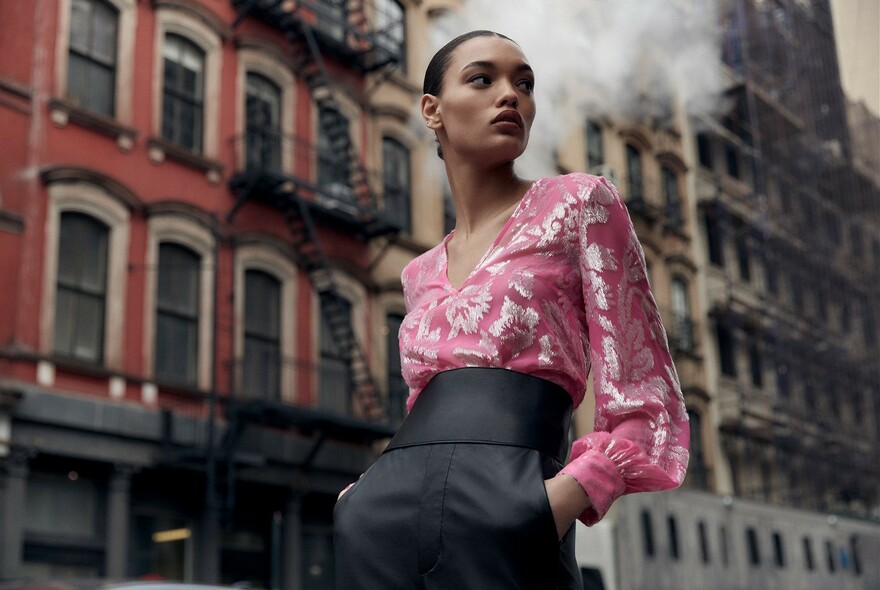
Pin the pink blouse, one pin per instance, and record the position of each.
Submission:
(563, 287)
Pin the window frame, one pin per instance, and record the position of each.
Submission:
(191, 27)
(196, 101)
(80, 292)
(269, 257)
(266, 340)
(271, 134)
(125, 48)
(403, 194)
(94, 61)
(257, 58)
(185, 317)
(196, 235)
(96, 201)
(633, 155)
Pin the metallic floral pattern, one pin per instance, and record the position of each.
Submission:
(561, 291)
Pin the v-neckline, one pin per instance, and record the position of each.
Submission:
(507, 224)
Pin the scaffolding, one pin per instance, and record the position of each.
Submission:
(787, 196)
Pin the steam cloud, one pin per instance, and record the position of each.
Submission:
(621, 59)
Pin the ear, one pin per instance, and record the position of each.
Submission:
(431, 112)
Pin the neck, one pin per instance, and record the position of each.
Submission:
(481, 194)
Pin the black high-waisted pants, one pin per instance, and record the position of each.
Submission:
(457, 500)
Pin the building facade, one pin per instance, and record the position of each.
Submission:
(205, 207)
(204, 213)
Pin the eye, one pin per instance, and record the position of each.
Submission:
(527, 84)
(481, 79)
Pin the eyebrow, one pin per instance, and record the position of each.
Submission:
(491, 65)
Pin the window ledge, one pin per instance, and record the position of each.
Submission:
(161, 149)
(11, 222)
(64, 111)
(676, 230)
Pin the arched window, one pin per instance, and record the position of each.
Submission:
(81, 287)
(263, 123)
(672, 197)
(396, 176)
(635, 182)
(683, 326)
(261, 373)
(91, 75)
(183, 93)
(177, 315)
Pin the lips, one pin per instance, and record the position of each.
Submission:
(509, 116)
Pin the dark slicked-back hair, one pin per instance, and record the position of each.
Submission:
(433, 83)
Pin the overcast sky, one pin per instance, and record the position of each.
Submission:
(857, 29)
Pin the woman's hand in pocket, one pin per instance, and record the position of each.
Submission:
(567, 501)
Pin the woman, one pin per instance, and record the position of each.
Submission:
(538, 281)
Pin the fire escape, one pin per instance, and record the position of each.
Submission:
(343, 199)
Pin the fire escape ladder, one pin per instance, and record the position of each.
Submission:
(334, 308)
(333, 124)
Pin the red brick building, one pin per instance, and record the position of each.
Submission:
(184, 383)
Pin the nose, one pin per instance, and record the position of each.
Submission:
(507, 96)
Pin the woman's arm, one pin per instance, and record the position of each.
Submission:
(640, 439)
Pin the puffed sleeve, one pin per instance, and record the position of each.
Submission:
(640, 439)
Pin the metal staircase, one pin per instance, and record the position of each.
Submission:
(301, 24)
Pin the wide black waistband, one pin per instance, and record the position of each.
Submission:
(491, 406)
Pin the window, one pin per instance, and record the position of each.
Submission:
(595, 153)
(648, 533)
(725, 551)
(731, 156)
(726, 350)
(183, 93)
(856, 558)
(396, 175)
(697, 468)
(91, 76)
(261, 371)
(332, 18)
(81, 287)
(177, 314)
(263, 123)
(335, 378)
(683, 328)
(770, 273)
(808, 554)
(673, 199)
(397, 388)
(869, 325)
(829, 555)
(672, 525)
(857, 246)
(778, 550)
(755, 365)
(704, 541)
(704, 150)
(783, 386)
(391, 29)
(714, 240)
(742, 252)
(752, 545)
(634, 173)
(334, 172)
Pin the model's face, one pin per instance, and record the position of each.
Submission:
(486, 107)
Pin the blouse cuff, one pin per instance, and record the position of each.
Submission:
(601, 480)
